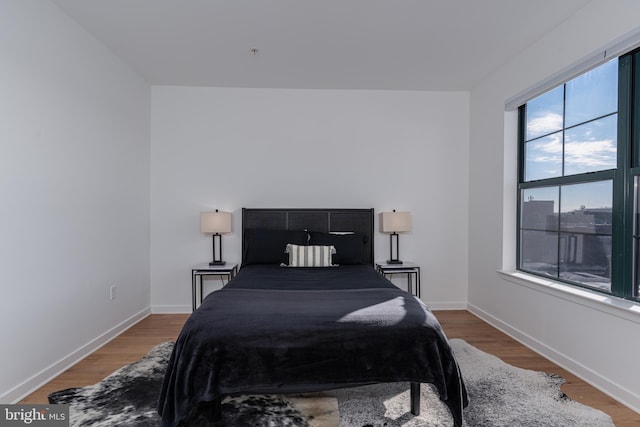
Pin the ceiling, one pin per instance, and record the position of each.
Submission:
(323, 44)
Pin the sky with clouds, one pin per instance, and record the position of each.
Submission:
(588, 142)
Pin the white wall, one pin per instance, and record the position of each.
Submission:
(218, 148)
(594, 339)
(74, 194)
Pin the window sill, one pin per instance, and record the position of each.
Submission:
(625, 309)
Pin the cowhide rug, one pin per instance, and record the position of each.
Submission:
(128, 397)
(500, 395)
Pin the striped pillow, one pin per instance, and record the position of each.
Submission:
(310, 256)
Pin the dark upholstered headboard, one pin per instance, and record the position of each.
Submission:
(323, 220)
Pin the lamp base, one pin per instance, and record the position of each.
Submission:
(217, 263)
(394, 261)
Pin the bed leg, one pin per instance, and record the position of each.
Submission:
(415, 398)
(216, 409)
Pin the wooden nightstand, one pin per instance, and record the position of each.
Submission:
(228, 270)
(410, 269)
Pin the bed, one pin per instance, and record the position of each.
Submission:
(282, 326)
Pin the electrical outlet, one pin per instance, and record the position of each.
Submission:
(112, 292)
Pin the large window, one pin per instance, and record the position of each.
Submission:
(579, 212)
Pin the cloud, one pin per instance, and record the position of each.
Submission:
(546, 150)
(585, 148)
(591, 154)
(583, 151)
(577, 154)
(544, 124)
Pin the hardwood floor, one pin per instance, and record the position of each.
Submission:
(137, 341)
(126, 348)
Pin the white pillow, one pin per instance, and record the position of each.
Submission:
(310, 256)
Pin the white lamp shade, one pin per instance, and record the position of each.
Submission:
(215, 222)
(395, 222)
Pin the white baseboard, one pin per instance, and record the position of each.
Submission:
(446, 305)
(620, 394)
(38, 380)
(171, 309)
